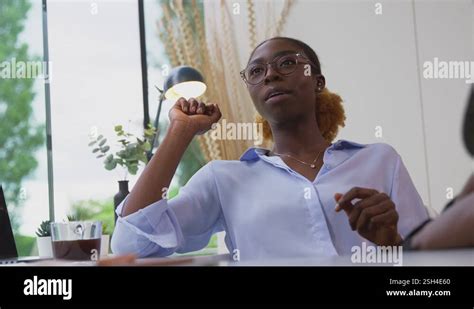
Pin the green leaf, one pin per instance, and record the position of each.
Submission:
(92, 143)
(100, 156)
(132, 169)
(110, 165)
(102, 142)
(149, 135)
(118, 128)
(107, 160)
(72, 218)
(131, 146)
(100, 137)
(105, 149)
(95, 150)
(147, 146)
(44, 229)
(142, 157)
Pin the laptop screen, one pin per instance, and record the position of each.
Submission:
(7, 242)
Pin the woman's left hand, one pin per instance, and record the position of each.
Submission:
(374, 216)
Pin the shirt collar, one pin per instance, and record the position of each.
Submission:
(254, 153)
(345, 144)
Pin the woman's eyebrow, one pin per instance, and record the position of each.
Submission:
(279, 53)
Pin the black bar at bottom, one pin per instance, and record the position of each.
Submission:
(242, 285)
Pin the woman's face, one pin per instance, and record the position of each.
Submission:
(299, 87)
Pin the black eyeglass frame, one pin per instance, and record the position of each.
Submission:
(273, 62)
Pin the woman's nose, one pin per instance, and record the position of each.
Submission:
(271, 73)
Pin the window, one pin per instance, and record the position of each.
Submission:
(95, 83)
(23, 164)
(94, 48)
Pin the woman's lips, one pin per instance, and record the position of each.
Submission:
(277, 98)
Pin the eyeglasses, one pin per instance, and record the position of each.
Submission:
(285, 65)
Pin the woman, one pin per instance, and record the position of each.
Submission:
(279, 203)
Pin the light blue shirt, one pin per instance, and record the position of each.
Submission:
(267, 209)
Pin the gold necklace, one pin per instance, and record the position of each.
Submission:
(312, 165)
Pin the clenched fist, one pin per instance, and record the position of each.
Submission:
(196, 116)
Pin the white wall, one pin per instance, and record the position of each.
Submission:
(372, 62)
(445, 30)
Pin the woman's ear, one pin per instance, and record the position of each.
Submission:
(320, 83)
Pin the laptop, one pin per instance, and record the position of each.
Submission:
(8, 251)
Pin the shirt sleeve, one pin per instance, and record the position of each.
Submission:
(182, 224)
(411, 210)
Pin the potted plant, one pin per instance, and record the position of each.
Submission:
(43, 239)
(132, 153)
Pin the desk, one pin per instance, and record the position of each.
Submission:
(184, 260)
(453, 257)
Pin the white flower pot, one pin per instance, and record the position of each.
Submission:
(45, 248)
(104, 245)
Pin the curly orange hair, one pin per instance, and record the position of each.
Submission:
(329, 115)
